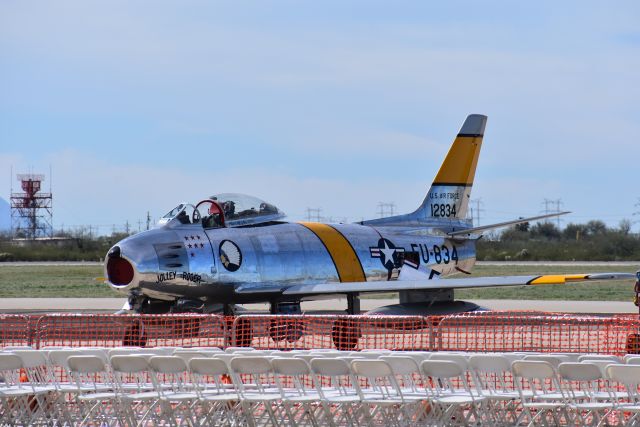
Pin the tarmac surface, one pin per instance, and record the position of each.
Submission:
(110, 305)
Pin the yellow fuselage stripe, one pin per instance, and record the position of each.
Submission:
(344, 257)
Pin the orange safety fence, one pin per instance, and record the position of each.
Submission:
(478, 331)
(541, 332)
(145, 330)
(16, 330)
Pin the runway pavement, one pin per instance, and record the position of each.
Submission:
(110, 305)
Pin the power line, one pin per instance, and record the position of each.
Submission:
(548, 208)
(313, 214)
(475, 212)
(386, 209)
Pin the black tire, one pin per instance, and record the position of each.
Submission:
(278, 330)
(135, 336)
(345, 334)
(243, 333)
(633, 344)
(290, 330)
(295, 331)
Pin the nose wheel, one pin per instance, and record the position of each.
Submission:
(135, 335)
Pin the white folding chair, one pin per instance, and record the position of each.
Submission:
(580, 383)
(492, 379)
(39, 376)
(450, 393)
(632, 360)
(218, 399)
(554, 360)
(96, 400)
(171, 380)
(566, 357)
(408, 375)
(187, 355)
(301, 402)
(18, 403)
(102, 353)
(134, 388)
(365, 354)
(124, 351)
(260, 400)
(382, 399)
(336, 386)
(235, 349)
(627, 376)
(590, 357)
(540, 392)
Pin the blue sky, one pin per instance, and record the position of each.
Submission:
(338, 105)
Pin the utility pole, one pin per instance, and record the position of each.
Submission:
(475, 212)
(148, 220)
(126, 227)
(386, 209)
(313, 214)
(548, 204)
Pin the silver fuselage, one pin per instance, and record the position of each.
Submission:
(188, 261)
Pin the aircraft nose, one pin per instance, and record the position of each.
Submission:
(120, 272)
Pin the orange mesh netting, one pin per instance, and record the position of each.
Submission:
(480, 331)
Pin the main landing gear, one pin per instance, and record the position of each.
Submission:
(283, 328)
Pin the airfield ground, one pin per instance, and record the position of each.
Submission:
(38, 287)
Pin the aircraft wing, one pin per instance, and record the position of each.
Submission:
(467, 282)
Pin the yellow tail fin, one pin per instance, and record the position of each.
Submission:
(449, 195)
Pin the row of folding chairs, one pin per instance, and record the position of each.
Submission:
(243, 386)
(252, 388)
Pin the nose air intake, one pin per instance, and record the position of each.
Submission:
(119, 270)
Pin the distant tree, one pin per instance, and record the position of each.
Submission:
(596, 227)
(513, 234)
(575, 231)
(624, 226)
(547, 230)
(523, 227)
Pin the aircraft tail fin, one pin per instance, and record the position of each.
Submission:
(448, 198)
(449, 194)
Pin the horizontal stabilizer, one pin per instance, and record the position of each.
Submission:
(475, 230)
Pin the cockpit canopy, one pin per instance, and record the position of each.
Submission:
(224, 210)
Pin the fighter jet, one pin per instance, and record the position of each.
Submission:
(231, 249)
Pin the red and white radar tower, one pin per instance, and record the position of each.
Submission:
(31, 210)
